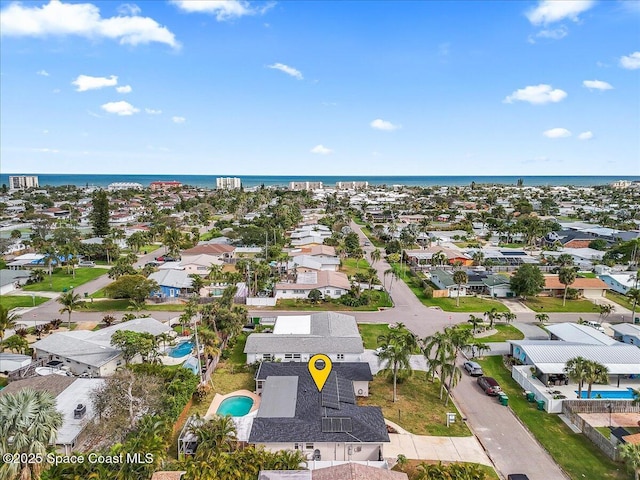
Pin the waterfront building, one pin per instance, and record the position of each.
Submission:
(305, 185)
(164, 185)
(21, 182)
(352, 185)
(228, 183)
(124, 186)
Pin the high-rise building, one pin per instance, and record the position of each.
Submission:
(358, 185)
(305, 186)
(228, 183)
(20, 182)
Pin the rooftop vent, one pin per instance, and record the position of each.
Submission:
(80, 411)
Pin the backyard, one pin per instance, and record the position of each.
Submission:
(61, 280)
(575, 453)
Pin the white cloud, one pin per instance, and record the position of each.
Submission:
(121, 108)
(380, 124)
(597, 85)
(86, 82)
(81, 19)
(124, 89)
(557, 133)
(287, 69)
(554, 34)
(321, 150)
(42, 73)
(550, 11)
(178, 119)
(129, 9)
(151, 111)
(630, 62)
(222, 9)
(588, 135)
(537, 94)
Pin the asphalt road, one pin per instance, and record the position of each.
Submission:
(507, 442)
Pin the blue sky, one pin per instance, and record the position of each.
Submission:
(321, 88)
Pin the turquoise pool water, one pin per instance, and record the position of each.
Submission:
(181, 349)
(235, 406)
(595, 394)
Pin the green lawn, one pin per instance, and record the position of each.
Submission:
(122, 305)
(575, 453)
(380, 300)
(374, 241)
(418, 409)
(554, 305)
(237, 353)
(61, 280)
(411, 469)
(370, 333)
(621, 300)
(504, 333)
(587, 275)
(349, 268)
(13, 301)
(467, 304)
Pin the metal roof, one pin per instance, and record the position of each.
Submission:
(79, 392)
(551, 356)
(279, 397)
(627, 329)
(270, 343)
(575, 333)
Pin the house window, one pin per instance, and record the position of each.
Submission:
(266, 356)
(171, 292)
(298, 291)
(297, 446)
(288, 356)
(296, 356)
(308, 446)
(340, 356)
(338, 292)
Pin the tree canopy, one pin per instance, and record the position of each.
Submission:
(527, 281)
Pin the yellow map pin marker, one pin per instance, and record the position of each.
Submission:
(320, 368)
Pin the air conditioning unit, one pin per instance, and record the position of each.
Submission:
(79, 411)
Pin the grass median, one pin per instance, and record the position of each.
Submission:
(574, 452)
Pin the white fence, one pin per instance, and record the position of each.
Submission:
(522, 375)
(261, 301)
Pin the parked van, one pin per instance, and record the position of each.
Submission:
(489, 385)
(595, 325)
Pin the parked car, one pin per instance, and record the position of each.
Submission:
(153, 264)
(489, 385)
(517, 476)
(474, 369)
(367, 244)
(166, 258)
(86, 263)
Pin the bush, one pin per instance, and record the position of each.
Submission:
(428, 292)
(572, 293)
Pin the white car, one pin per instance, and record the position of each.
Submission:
(86, 263)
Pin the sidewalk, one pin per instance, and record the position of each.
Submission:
(423, 447)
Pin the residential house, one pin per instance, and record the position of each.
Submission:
(337, 471)
(424, 256)
(627, 333)
(13, 361)
(173, 283)
(309, 235)
(296, 338)
(478, 282)
(73, 401)
(313, 251)
(620, 282)
(324, 426)
(574, 332)
(199, 264)
(358, 373)
(330, 284)
(222, 252)
(586, 287)
(91, 353)
(306, 263)
(11, 280)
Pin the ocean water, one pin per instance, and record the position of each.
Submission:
(209, 181)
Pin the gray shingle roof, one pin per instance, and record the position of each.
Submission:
(354, 371)
(367, 422)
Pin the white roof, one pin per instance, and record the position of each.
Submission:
(627, 329)
(551, 356)
(575, 333)
(79, 392)
(294, 324)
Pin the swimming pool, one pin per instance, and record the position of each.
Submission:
(181, 349)
(619, 394)
(237, 406)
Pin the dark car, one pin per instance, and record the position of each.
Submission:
(166, 258)
(474, 369)
(517, 476)
(489, 385)
(153, 264)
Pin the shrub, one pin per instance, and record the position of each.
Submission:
(428, 292)
(572, 293)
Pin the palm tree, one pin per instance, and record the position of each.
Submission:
(460, 340)
(70, 301)
(634, 295)
(215, 436)
(576, 368)
(29, 426)
(509, 317)
(478, 348)
(566, 276)
(172, 240)
(473, 320)
(375, 255)
(542, 317)
(630, 453)
(595, 373)
(215, 272)
(605, 310)
(459, 277)
(491, 315)
(396, 349)
(439, 344)
(7, 321)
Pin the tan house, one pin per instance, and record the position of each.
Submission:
(331, 284)
(587, 287)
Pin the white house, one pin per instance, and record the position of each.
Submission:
(199, 264)
(619, 282)
(330, 284)
(91, 353)
(296, 338)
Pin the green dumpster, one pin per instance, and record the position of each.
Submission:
(540, 404)
(531, 397)
(504, 400)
